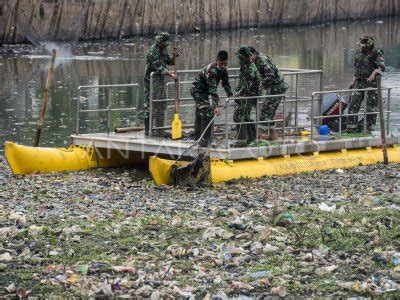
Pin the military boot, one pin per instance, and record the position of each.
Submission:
(197, 127)
(159, 122)
(272, 136)
(242, 135)
(146, 126)
(371, 121)
(251, 133)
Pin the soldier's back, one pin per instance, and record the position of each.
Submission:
(153, 54)
(266, 60)
(250, 77)
(267, 65)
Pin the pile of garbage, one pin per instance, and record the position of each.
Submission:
(105, 233)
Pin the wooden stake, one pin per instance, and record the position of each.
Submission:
(176, 129)
(382, 120)
(128, 129)
(44, 101)
(176, 83)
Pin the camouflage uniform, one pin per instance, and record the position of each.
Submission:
(205, 85)
(249, 85)
(157, 60)
(364, 65)
(273, 83)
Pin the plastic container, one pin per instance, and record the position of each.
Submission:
(323, 130)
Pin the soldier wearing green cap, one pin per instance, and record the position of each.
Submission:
(248, 86)
(204, 85)
(273, 83)
(369, 62)
(157, 60)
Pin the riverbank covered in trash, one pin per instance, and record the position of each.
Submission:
(102, 232)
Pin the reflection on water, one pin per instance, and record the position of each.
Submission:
(23, 72)
(75, 57)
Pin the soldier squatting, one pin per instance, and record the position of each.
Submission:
(258, 76)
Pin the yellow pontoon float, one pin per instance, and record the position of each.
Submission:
(25, 160)
(225, 170)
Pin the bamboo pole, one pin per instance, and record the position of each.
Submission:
(97, 10)
(59, 18)
(45, 96)
(175, 13)
(86, 20)
(104, 18)
(382, 119)
(143, 15)
(121, 22)
(128, 129)
(16, 9)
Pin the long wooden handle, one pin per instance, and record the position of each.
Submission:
(45, 96)
(382, 119)
(128, 129)
(176, 98)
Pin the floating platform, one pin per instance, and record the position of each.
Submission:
(301, 109)
(115, 150)
(290, 156)
(136, 142)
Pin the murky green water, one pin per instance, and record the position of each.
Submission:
(23, 71)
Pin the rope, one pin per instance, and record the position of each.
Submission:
(202, 134)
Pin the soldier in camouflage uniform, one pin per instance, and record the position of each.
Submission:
(369, 62)
(249, 86)
(273, 83)
(205, 85)
(157, 60)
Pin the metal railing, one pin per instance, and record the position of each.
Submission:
(315, 117)
(260, 100)
(292, 96)
(186, 101)
(364, 113)
(109, 108)
(297, 95)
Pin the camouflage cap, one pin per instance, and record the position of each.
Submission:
(366, 41)
(243, 51)
(164, 38)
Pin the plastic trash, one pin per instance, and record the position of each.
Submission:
(323, 130)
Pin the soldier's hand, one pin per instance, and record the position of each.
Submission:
(174, 76)
(372, 76)
(352, 85)
(176, 51)
(230, 102)
(217, 111)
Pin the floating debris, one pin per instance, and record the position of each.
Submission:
(104, 233)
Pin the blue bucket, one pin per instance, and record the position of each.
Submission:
(323, 130)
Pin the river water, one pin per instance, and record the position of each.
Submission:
(23, 70)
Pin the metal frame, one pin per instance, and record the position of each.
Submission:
(285, 71)
(293, 96)
(108, 109)
(135, 142)
(340, 115)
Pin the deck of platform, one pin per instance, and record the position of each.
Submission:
(137, 142)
